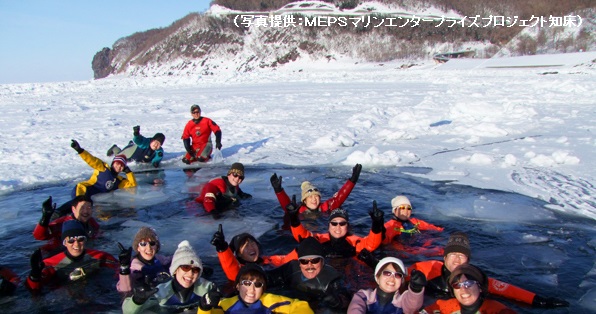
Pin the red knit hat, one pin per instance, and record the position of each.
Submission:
(121, 159)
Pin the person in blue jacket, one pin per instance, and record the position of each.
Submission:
(141, 149)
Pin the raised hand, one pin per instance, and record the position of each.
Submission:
(219, 240)
(37, 265)
(377, 217)
(124, 258)
(136, 130)
(47, 209)
(276, 183)
(141, 294)
(292, 211)
(209, 300)
(417, 280)
(75, 145)
(356, 173)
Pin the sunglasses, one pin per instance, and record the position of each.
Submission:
(395, 274)
(187, 268)
(248, 283)
(403, 207)
(312, 190)
(313, 261)
(152, 243)
(235, 175)
(79, 239)
(466, 284)
(335, 223)
(195, 112)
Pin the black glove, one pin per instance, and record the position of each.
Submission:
(124, 258)
(136, 130)
(417, 280)
(550, 302)
(276, 183)
(126, 170)
(209, 300)
(377, 218)
(160, 154)
(75, 145)
(218, 145)
(368, 258)
(219, 240)
(155, 164)
(356, 173)
(332, 301)
(142, 293)
(292, 210)
(47, 209)
(37, 265)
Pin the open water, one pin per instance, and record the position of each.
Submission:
(514, 238)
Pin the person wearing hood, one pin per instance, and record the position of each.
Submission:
(458, 252)
(224, 192)
(141, 149)
(244, 249)
(105, 178)
(311, 196)
(251, 285)
(403, 222)
(197, 137)
(146, 263)
(469, 285)
(184, 292)
(339, 241)
(76, 262)
(311, 279)
(386, 298)
(81, 211)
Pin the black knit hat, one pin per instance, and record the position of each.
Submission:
(310, 247)
(194, 107)
(238, 241)
(72, 228)
(237, 168)
(159, 137)
(339, 212)
(458, 243)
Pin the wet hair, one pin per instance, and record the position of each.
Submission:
(252, 272)
(472, 273)
(81, 198)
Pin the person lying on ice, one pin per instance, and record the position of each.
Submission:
(141, 149)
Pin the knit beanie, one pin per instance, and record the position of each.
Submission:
(308, 189)
(238, 241)
(121, 159)
(143, 234)
(159, 137)
(194, 107)
(458, 243)
(473, 273)
(399, 200)
(387, 260)
(237, 168)
(310, 248)
(185, 255)
(339, 212)
(72, 228)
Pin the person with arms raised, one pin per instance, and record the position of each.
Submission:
(141, 149)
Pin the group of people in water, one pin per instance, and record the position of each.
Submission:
(303, 278)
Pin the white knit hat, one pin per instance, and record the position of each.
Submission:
(386, 261)
(309, 189)
(185, 255)
(399, 200)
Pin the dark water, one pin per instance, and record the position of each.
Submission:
(514, 238)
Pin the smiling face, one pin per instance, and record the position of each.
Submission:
(235, 179)
(248, 291)
(312, 201)
(389, 282)
(118, 167)
(148, 251)
(249, 251)
(187, 278)
(155, 145)
(77, 247)
(452, 260)
(310, 270)
(467, 296)
(82, 211)
(336, 230)
(403, 212)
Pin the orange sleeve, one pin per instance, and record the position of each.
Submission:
(509, 291)
(301, 232)
(371, 242)
(229, 263)
(278, 260)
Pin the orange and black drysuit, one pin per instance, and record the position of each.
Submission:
(348, 246)
(452, 306)
(8, 281)
(198, 131)
(437, 283)
(231, 265)
(334, 202)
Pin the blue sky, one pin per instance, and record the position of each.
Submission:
(55, 40)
